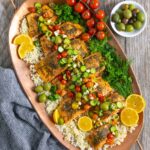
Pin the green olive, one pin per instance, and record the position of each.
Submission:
(120, 26)
(131, 6)
(129, 28)
(47, 86)
(38, 89)
(140, 17)
(127, 14)
(42, 98)
(105, 106)
(116, 18)
(120, 12)
(60, 121)
(75, 105)
(124, 6)
(137, 25)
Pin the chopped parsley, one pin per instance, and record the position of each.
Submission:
(116, 72)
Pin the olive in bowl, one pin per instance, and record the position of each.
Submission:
(128, 18)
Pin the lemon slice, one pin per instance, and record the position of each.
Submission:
(56, 116)
(136, 102)
(85, 124)
(129, 117)
(22, 38)
(24, 49)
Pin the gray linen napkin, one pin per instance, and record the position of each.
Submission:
(20, 127)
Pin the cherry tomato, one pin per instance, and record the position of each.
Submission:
(110, 136)
(100, 35)
(92, 96)
(84, 1)
(68, 74)
(56, 27)
(86, 14)
(64, 54)
(59, 56)
(92, 31)
(100, 14)
(94, 4)
(60, 77)
(31, 9)
(63, 82)
(101, 97)
(101, 25)
(79, 7)
(71, 2)
(89, 84)
(110, 141)
(71, 94)
(78, 88)
(59, 91)
(85, 37)
(90, 23)
(87, 107)
(95, 116)
(55, 47)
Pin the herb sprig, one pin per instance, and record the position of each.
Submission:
(116, 72)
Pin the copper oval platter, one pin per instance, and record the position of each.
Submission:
(23, 74)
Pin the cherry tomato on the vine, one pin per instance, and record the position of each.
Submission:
(90, 23)
(79, 7)
(85, 37)
(71, 2)
(94, 4)
(101, 25)
(100, 35)
(92, 31)
(86, 14)
(100, 14)
(84, 1)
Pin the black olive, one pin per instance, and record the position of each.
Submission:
(131, 21)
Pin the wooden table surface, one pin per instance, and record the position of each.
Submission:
(137, 49)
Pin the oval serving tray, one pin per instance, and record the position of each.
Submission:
(23, 75)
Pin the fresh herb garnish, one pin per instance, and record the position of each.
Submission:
(116, 72)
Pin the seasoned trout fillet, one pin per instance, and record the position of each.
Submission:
(71, 30)
(48, 68)
(97, 138)
(32, 24)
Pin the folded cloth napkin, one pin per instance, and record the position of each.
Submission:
(20, 127)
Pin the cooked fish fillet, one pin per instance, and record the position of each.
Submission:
(72, 30)
(46, 44)
(97, 138)
(116, 97)
(66, 111)
(79, 45)
(48, 68)
(47, 12)
(32, 24)
(95, 61)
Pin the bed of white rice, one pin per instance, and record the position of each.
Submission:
(70, 131)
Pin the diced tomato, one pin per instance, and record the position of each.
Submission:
(85, 80)
(79, 7)
(92, 96)
(94, 4)
(100, 14)
(64, 54)
(101, 25)
(101, 97)
(85, 37)
(90, 23)
(71, 2)
(61, 31)
(89, 84)
(59, 92)
(71, 94)
(95, 116)
(86, 14)
(59, 56)
(110, 136)
(32, 9)
(55, 47)
(68, 74)
(56, 27)
(87, 106)
(60, 77)
(110, 141)
(63, 82)
(51, 28)
(100, 35)
(92, 31)
(77, 88)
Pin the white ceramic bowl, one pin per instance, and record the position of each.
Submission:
(135, 32)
